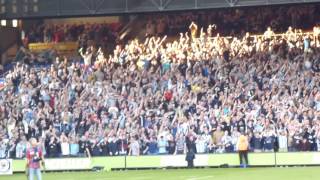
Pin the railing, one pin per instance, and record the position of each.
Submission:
(275, 35)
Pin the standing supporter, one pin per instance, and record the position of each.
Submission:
(65, 146)
(256, 142)
(53, 146)
(190, 156)
(134, 147)
(162, 145)
(283, 142)
(34, 159)
(180, 144)
(87, 56)
(243, 147)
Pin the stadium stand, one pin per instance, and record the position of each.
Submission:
(198, 91)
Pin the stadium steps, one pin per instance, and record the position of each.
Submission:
(9, 55)
(135, 29)
(8, 46)
(127, 28)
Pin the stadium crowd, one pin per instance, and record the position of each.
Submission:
(236, 21)
(100, 34)
(198, 92)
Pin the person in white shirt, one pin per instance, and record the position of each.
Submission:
(227, 142)
(65, 146)
(268, 34)
(11, 126)
(201, 144)
(134, 147)
(235, 136)
(283, 142)
(87, 56)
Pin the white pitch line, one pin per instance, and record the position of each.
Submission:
(140, 178)
(133, 178)
(200, 178)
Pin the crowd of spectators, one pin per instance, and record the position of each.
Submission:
(163, 98)
(100, 34)
(198, 92)
(236, 22)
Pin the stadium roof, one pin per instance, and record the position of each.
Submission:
(10, 9)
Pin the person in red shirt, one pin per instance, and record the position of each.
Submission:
(34, 158)
(168, 95)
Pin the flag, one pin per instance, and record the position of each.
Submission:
(2, 83)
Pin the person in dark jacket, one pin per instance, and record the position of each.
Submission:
(190, 158)
(256, 142)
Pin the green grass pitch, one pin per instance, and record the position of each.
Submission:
(296, 173)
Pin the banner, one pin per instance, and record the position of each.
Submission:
(63, 47)
(68, 164)
(6, 167)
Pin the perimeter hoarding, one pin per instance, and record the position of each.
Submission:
(163, 161)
